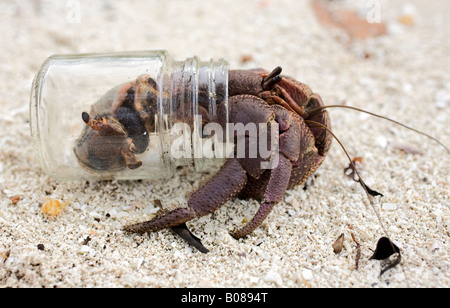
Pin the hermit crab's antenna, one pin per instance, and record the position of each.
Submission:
(320, 109)
(366, 190)
(360, 180)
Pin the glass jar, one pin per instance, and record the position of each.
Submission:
(135, 115)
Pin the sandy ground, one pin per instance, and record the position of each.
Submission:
(403, 74)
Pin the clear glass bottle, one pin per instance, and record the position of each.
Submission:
(112, 116)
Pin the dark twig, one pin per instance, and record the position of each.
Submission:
(358, 251)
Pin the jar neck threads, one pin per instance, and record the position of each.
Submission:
(197, 89)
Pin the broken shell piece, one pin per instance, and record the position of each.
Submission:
(337, 245)
(53, 207)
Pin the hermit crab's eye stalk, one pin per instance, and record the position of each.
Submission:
(272, 79)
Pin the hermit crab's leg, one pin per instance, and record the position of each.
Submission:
(322, 137)
(127, 151)
(183, 231)
(295, 93)
(278, 183)
(227, 183)
(290, 146)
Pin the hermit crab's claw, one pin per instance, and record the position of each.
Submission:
(127, 152)
(106, 145)
(104, 126)
(94, 124)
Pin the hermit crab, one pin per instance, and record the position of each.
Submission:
(126, 116)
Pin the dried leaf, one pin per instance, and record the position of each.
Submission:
(385, 249)
(337, 245)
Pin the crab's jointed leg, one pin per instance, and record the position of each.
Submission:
(278, 183)
(227, 183)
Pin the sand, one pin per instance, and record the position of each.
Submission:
(403, 75)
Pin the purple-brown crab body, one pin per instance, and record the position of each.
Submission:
(124, 117)
(257, 96)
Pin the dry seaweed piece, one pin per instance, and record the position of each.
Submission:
(183, 231)
(352, 168)
(358, 251)
(370, 191)
(353, 174)
(87, 240)
(337, 245)
(385, 249)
